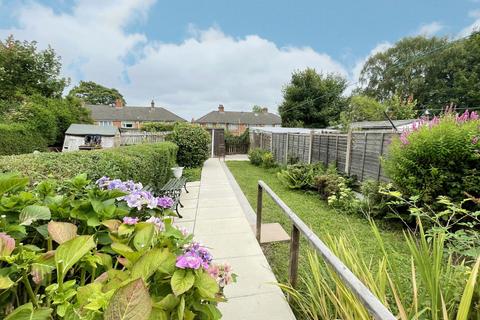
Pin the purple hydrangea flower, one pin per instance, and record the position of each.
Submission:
(194, 257)
(157, 221)
(189, 260)
(130, 220)
(165, 202)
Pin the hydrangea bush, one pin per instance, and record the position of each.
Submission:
(110, 250)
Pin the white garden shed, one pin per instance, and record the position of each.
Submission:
(89, 136)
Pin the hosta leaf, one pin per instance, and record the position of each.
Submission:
(73, 250)
(206, 285)
(5, 282)
(130, 302)
(150, 262)
(182, 281)
(27, 312)
(62, 231)
(32, 213)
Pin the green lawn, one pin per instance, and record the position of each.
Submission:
(319, 217)
(192, 174)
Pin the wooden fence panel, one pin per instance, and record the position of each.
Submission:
(366, 150)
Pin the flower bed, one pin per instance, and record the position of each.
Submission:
(109, 251)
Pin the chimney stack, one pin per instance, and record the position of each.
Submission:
(221, 108)
(265, 110)
(118, 104)
(152, 104)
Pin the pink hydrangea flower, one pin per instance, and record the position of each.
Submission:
(222, 273)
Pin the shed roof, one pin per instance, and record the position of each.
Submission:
(291, 130)
(84, 129)
(237, 117)
(384, 124)
(104, 112)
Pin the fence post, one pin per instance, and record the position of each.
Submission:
(310, 147)
(258, 229)
(336, 152)
(348, 155)
(294, 250)
(381, 154)
(286, 150)
(364, 154)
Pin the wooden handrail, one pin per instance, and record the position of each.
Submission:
(367, 298)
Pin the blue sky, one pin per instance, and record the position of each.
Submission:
(192, 55)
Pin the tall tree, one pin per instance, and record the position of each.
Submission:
(256, 108)
(312, 99)
(433, 71)
(24, 70)
(94, 93)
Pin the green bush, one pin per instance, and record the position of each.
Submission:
(268, 161)
(255, 156)
(437, 158)
(18, 139)
(158, 126)
(193, 142)
(300, 176)
(146, 163)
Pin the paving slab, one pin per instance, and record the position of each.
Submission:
(221, 219)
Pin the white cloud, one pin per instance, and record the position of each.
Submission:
(475, 26)
(429, 29)
(189, 78)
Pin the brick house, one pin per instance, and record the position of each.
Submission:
(237, 122)
(124, 117)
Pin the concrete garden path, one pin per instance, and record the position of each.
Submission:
(216, 213)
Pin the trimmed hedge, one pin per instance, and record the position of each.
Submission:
(147, 163)
(17, 139)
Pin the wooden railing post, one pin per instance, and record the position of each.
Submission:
(294, 250)
(259, 213)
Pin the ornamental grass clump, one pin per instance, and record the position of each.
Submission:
(105, 250)
(438, 157)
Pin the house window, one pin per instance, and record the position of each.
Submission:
(209, 125)
(127, 124)
(220, 125)
(232, 126)
(105, 123)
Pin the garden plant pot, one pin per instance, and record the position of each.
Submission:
(177, 172)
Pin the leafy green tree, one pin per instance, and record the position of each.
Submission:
(94, 93)
(433, 71)
(402, 69)
(257, 109)
(24, 70)
(365, 108)
(312, 99)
